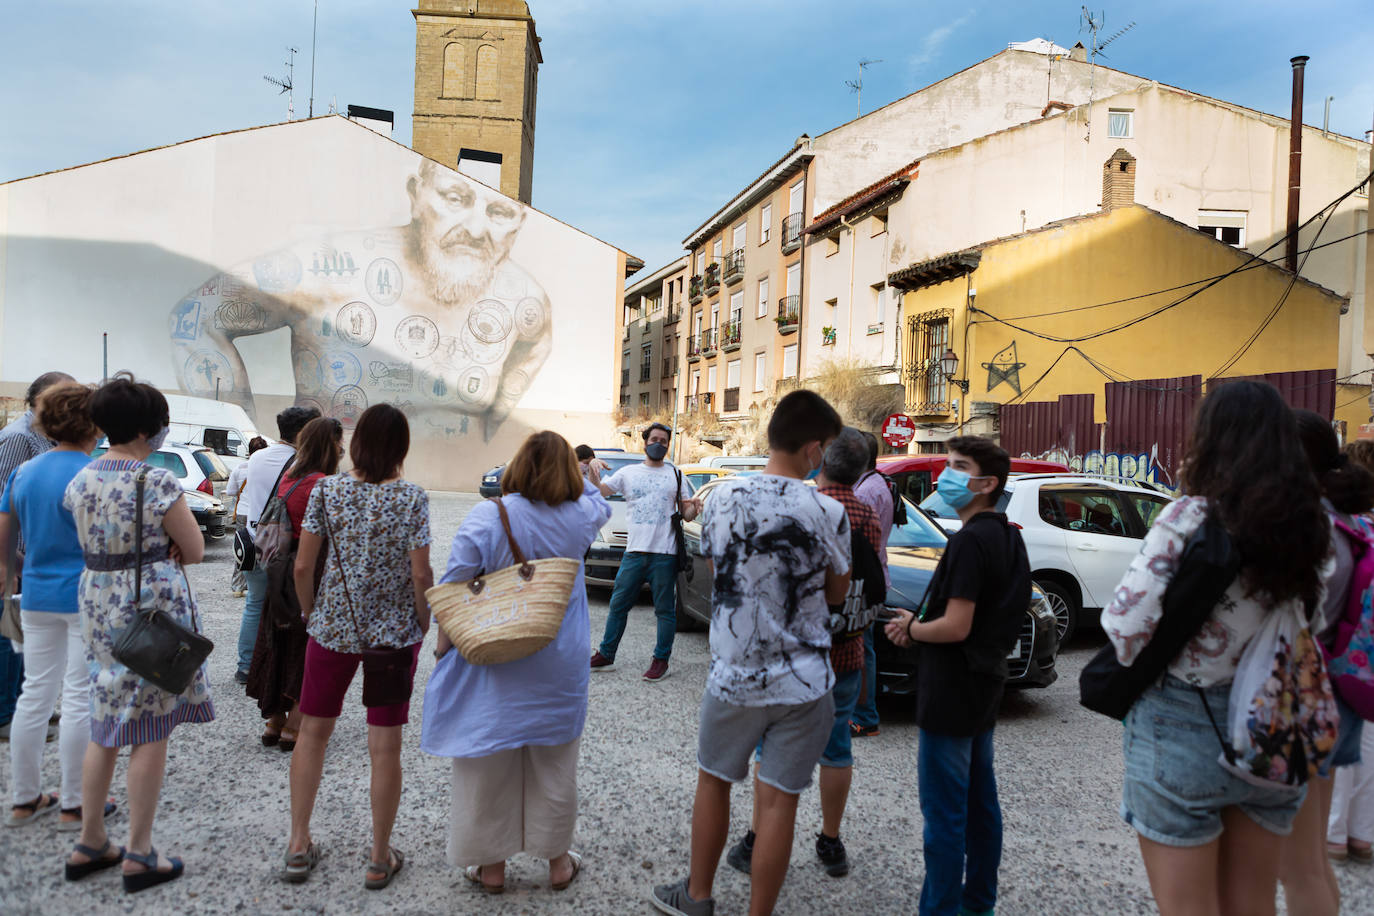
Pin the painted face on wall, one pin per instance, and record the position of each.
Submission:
(462, 231)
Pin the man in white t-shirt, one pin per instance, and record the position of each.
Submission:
(653, 492)
(264, 470)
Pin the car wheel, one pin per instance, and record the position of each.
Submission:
(686, 623)
(1064, 607)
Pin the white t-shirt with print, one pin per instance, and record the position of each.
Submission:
(649, 505)
(771, 540)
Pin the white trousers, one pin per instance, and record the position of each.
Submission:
(1352, 797)
(54, 660)
(524, 799)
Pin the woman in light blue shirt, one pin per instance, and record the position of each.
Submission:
(513, 729)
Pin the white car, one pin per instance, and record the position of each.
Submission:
(1081, 532)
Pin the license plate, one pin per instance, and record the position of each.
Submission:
(1015, 650)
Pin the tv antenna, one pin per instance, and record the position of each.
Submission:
(1094, 25)
(287, 84)
(856, 86)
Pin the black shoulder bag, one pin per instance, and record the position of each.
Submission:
(1208, 566)
(684, 562)
(154, 646)
(245, 550)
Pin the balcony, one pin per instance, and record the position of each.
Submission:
(734, 266)
(707, 342)
(644, 327)
(791, 233)
(712, 279)
(693, 350)
(699, 402)
(731, 400)
(645, 372)
(694, 289)
(789, 314)
(673, 315)
(730, 335)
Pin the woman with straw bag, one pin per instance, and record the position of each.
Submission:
(513, 728)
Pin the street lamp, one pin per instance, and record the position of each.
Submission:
(949, 364)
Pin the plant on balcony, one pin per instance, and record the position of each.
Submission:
(787, 319)
(827, 336)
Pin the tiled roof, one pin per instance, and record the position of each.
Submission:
(858, 200)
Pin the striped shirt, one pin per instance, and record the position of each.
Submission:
(19, 442)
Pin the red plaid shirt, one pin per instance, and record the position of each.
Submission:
(848, 654)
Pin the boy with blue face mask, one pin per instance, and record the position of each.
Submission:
(978, 598)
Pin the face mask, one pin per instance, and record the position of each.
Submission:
(656, 450)
(953, 487)
(155, 441)
(814, 472)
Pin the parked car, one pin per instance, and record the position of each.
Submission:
(913, 550)
(223, 427)
(491, 480)
(699, 474)
(604, 556)
(915, 475)
(202, 477)
(736, 462)
(210, 514)
(1081, 533)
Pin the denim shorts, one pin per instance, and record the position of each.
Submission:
(1347, 750)
(839, 751)
(1175, 788)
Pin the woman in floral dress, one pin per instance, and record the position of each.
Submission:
(126, 709)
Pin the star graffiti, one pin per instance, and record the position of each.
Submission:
(1005, 368)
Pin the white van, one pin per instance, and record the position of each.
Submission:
(217, 425)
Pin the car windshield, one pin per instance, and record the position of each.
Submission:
(918, 531)
(210, 465)
(941, 509)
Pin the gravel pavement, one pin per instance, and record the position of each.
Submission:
(224, 804)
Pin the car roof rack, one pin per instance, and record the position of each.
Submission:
(1083, 475)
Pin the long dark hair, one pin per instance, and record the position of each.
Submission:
(317, 448)
(1349, 487)
(1247, 459)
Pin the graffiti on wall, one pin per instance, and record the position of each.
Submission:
(432, 316)
(1005, 367)
(1141, 466)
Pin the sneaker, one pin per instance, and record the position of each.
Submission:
(5, 732)
(673, 899)
(240, 677)
(741, 855)
(832, 855)
(601, 662)
(658, 670)
(862, 731)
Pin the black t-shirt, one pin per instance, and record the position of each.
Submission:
(960, 684)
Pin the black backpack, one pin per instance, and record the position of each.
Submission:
(867, 588)
(898, 504)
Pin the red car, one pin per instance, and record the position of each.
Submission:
(915, 475)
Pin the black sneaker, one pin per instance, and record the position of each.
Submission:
(240, 677)
(832, 855)
(741, 855)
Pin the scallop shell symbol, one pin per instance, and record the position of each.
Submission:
(238, 315)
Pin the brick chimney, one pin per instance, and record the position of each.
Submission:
(1118, 180)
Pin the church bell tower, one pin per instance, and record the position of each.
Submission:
(476, 73)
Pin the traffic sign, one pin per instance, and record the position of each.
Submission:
(898, 430)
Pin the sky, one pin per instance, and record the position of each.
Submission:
(651, 114)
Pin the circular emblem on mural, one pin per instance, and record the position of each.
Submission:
(434, 385)
(355, 324)
(384, 281)
(489, 322)
(209, 372)
(348, 404)
(480, 351)
(474, 385)
(451, 352)
(531, 315)
(369, 243)
(309, 376)
(311, 404)
(240, 315)
(417, 336)
(277, 273)
(342, 369)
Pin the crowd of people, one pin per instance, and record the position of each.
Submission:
(336, 575)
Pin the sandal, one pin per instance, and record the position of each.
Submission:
(289, 736)
(270, 735)
(576, 860)
(388, 871)
(474, 874)
(299, 865)
(75, 871)
(45, 803)
(142, 880)
(73, 826)
(1361, 854)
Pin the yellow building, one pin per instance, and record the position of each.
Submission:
(1127, 307)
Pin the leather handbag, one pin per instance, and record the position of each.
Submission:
(155, 646)
(387, 676)
(245, 549)
(1207, 567)
(684, 562)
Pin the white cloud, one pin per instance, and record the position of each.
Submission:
(933, 42)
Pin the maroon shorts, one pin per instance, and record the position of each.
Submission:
(327, 676)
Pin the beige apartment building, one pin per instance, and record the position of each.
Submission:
(651, 331)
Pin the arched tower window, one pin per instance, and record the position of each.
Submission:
(455, 81)
(488, 85)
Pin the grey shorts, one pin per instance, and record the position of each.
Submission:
(792, 738)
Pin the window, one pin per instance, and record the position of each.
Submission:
(1226, 225)
(696, 381)
(929, 389)
(789, 361)
(701, 261)
(794, 279)
(763, 298)
(796, 196)
(736, 305)
(715, 314)
(1091, 513)
(715, 249)
(737, 237)
(646, 362)
(732, 374)
(167, 461)
(880, 222)
(696, 324)
(832, 244)
(877, 298)
(765, 222)
(1147, 507)
(1120, 123)
(760, 370)
(644, 400)
(711, 378)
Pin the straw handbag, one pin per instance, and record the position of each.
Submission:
(509, 614)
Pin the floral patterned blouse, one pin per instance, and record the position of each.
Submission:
(371, 529)
(1129, 620)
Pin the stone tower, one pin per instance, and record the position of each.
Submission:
(476, 72)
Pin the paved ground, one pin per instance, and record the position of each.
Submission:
(224, 806)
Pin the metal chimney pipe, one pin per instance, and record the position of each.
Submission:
(1294, 164)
